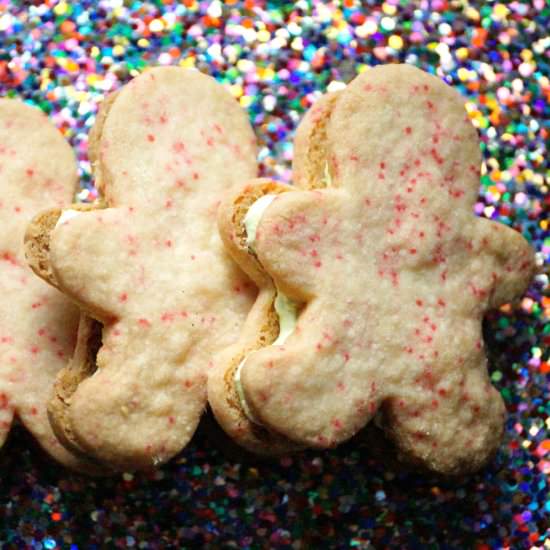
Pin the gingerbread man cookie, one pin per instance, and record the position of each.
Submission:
(388, 275)
(151, 267)
(37, 323)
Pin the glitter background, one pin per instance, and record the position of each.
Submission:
(276, 58)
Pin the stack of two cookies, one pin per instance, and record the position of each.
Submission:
(362, 293)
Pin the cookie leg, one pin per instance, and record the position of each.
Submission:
(146, 409)
(80, 249)
(281, 382)
(447, 428)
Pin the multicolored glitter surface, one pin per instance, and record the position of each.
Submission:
(276, 58)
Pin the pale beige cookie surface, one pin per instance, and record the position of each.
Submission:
(38, 325)
(151, 267)
(391, 274)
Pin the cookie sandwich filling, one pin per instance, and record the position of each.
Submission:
(327, 178)
(66, 215)
(285, 308)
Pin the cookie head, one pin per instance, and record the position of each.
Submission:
(37, 324)
(151, 267)
(393, 274)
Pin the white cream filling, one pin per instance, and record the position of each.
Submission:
(253, 217)
(285, 308)
(287, 311)
(240, 392)
(327, 178)
(66, 215)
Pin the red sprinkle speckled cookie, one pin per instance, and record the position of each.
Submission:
(151, 267)
(383, 275)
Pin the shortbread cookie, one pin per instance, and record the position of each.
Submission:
(38, 324)
(389, 274)
(151, 267)
(263, 325)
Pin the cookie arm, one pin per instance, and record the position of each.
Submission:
(292, 240)
(82, 247)
(512, 261)
(231, 225)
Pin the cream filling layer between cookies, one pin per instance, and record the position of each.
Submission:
(253, 217)
(327, 178)
(285, 308)
(66, 215)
